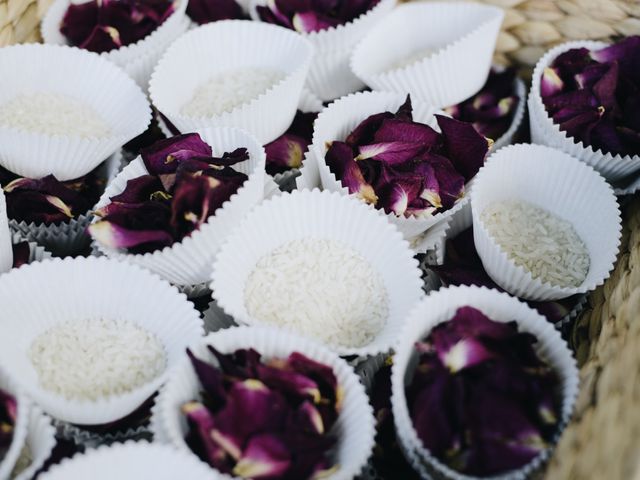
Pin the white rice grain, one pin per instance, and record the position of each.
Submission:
(542, 243)
(52, 114)
(225, 91)
(319, 288)
(93, 359)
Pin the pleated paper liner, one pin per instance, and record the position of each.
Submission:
(355, 427)
(545, 132)
(441, 306)
(80, 75)
(37, 253)
(38, 446)
(189, 261)
(321, 215)
(215, 319)
(6, 251)
(518, 116)
(233, 44)
(337, 120)
(138, 58)
(89, 288)
(439, 52)
(539, 175)
(66, 238)
(131, 460)
(21, 427)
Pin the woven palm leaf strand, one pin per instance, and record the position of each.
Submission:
(20, 20)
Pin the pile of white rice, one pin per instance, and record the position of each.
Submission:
(226, 91)
(53, 114)
(93, 359)
(319, 288)
(544, 244)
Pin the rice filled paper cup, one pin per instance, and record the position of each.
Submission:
(84, 77)
(189, 261)
(330, 76)
(355, 426)
(319, 215)
(67, 238)
(39, 444)
(336, 122)
(137, 59)
(21, 427)
(234, 44)
(545, 132)
(131, 460)
(440, 307)
(90, 289)
(538, 175)
(438, 52)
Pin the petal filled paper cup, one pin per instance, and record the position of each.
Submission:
(545, 132)
(189, 261)
(438, 52)
(540, 176)
(137, 59)
(336, 122)
(129, 461)
(323, 215)
(39, 296)
(224, 47)
(441, 306)
(355, 427)
(21, 427)
(84, 77)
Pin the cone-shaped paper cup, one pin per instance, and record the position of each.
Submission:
(233, 44)
(131, 461)
(538, 175)
(441, 306)
(137, 59)
(39, 443)
(90, 288)
(20, 428)
(336, 122)
(84, 77)
(439, 52)
(321, 215)
(355, 427)
(189, 261)
(545, 132)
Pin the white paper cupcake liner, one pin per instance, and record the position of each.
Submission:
(136, 59)
(131, 460)
(355, 427)
(233, 44)
(21, 427)
(66, 238)
(6, 251)
(538, 175)
(309, 172)
(39, 443)
(37, 253)
(441, 306)
(518, 116)
(452, 43)
(89, 439)
(189, 261)
(215, 319)
(337, 120)
(327, 215)
(86, 288)
(83, 76)
(545, 132)
(432, 241)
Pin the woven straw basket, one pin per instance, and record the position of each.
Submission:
(604, 439)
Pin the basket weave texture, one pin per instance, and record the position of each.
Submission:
(20, 20)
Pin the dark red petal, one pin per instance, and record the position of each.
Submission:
(138, 189)
(165, 155)
(465, 147)
(205, 11)
(340, 160)
(79, 20)
(392, 129)
(365, 132)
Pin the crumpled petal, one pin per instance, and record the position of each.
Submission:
(206, 11)
(138, 189)
(112, 235)
(286, 152)
(390, 152)
(365, 132)
(211, 380)
(266, 456)
(395, 130)
(396, 197)
(340, 160)
(165, 155)
(464, 147)
(289, 382)
(305, 22)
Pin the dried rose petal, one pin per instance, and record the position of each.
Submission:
(312, 15)
(463, 146)
(266, 456)
(206, 11)
(112, 235)
(340, 160)
(164, 156)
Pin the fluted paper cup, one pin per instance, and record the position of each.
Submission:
(336, 122)
(545, 132)
(319, 215)
(138, 58)
(39, 443)
(189, 261)
(67, 238)
(508, 136)
(233, 44)
(79, 75)
(37, 253)
(131, 461)
(440, 307)
(21, 427)
(439, 52)
(538, 175)
(355, 426)
(86, 288)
